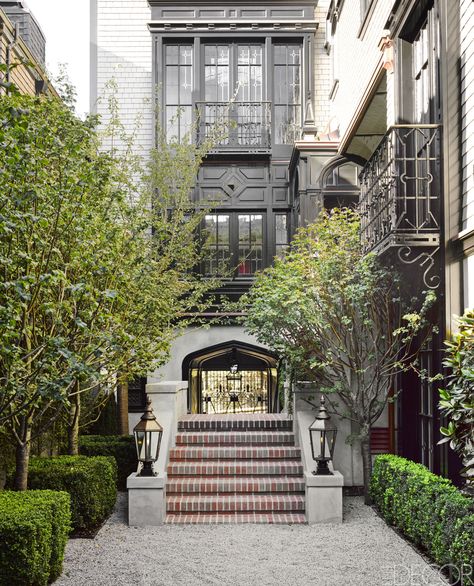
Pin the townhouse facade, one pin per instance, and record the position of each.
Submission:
(342, 102)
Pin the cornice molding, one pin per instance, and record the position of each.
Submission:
(231, 3)
(164, 25)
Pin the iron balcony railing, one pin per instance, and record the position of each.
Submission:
(235, 126)
(400, 190)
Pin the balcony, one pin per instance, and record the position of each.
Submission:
(400, 190)
(400, 198)
(242, 127)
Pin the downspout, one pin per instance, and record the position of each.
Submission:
(9, 49)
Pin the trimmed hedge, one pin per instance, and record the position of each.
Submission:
(121, 447)
(91, 482)
(427, 508)
(34, 527)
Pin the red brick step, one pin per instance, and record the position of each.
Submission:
(252, 438)
(235, 469)
(240, 484)
(266, 503)
(234, 453)
(237, 422)
(235, 518)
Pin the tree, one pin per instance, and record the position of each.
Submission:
(96, 264)
(337, 316)
(50, 177)
(457, 399)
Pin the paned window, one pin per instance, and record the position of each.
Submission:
(287, 92)
(233, 244)
(137, 394)
(178, 90)
(217, 73)
(249, 73)
(421, 76)
(234, 73)
(250, 244)
(281, 234)
(217, 244)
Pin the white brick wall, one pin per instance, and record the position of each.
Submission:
(322, 69)
(124, 54)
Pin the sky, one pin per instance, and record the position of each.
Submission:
(65, 24)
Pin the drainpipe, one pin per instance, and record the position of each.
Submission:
(9, 49)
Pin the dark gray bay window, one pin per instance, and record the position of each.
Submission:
(234, 93)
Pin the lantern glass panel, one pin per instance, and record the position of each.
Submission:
(139, 441)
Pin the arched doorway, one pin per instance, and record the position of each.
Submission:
(233, 377)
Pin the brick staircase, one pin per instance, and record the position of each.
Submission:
(235, 469)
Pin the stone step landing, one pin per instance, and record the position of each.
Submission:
(235, 469)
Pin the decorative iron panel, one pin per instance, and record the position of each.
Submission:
(401, 197)
(246, 125)
(242, 392)
(400, 189)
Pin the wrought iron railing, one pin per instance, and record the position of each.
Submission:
(235, 126)
(400, 190)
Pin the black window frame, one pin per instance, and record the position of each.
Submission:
(235, 258)
(137, 387)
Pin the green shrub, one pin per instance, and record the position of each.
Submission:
(427, 508)
(121, 447)
(91, 482)
(34, 526)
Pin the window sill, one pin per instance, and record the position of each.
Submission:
(333, 92)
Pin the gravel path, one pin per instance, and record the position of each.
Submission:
(362, 551)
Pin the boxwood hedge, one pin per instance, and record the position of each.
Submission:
(91, 482)
(121, 447)
(34, 527)
(429, 510)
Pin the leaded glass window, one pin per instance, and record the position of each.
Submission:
(249, 73)
(287, 92)
(281, 234)
(217, 73)
(178, 90)
(250, 244)
(233, 244)
(217, 244)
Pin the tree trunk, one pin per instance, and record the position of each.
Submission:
(367, 467)
(122, 406)
(73, 425)
(22, 456)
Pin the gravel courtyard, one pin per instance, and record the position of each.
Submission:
(362, 551)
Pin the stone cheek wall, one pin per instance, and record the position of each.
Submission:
(124, 54)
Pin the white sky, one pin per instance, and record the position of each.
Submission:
(65, 24)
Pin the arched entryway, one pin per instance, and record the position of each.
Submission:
(233, 377)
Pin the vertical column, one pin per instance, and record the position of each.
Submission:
(158, 78)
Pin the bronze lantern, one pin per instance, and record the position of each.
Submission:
(322, 433)
(148, 433)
